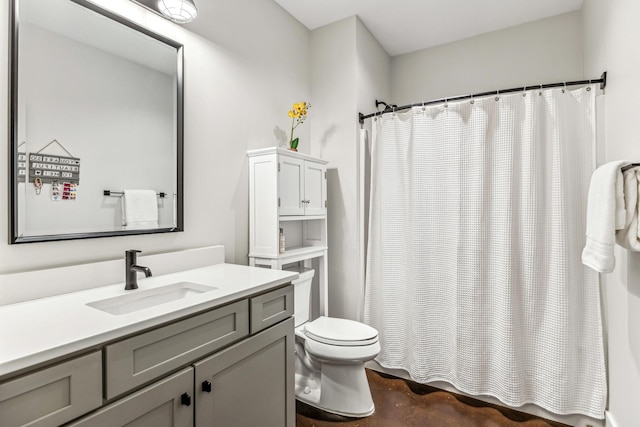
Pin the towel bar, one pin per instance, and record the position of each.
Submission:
(627, 167)
(162, 195)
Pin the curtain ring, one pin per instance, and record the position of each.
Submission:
(524, 91)
(588, 88)
(423, 108)
(540, 91)
(565, 87)
(446, 103)
(472, 100)
(497, 95)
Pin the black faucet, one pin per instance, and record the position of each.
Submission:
(131, 270)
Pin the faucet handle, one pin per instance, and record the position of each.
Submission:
(131, 255)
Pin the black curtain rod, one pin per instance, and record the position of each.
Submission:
(390, 108)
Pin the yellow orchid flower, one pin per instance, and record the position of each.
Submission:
(298, 114)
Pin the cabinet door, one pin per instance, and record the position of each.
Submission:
(249, 384)
(315, 188)
(166, 403)
(291, 186)
(54, 395)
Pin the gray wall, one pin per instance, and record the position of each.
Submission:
(544, 51)
(62, 105)
(349, 69)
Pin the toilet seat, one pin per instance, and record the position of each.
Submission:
(340, 332)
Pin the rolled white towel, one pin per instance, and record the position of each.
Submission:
(638, 209)
(628, 237)
(603, 217)
(621, 210)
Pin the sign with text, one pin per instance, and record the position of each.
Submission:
(54, 168)
(22, 167)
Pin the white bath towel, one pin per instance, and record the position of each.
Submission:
(602, 217)
(628, 236)
(139, 209)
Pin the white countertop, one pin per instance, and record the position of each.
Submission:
(36, 331)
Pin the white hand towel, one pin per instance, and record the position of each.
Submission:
(140, 209)
(602, 214)
(628, 237)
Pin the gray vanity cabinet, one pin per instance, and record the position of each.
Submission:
(250, 383)
(166, 403)
(230, 366)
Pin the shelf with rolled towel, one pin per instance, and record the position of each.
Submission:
(627, 167)
(110, 193)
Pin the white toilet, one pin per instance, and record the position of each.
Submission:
(330, 357)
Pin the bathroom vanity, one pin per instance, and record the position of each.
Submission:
(211, 346)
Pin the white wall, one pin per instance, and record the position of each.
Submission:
(349, 69)
(239, 84)
(611, 33)
(544, 51)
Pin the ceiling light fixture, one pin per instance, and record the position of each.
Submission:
(179, 11)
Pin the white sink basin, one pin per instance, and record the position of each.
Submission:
(141, 299)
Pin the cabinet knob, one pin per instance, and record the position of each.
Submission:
(206, 386)
(185, 399)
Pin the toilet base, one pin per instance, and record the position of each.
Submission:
(338, 389)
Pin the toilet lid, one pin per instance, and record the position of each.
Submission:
(344, 332)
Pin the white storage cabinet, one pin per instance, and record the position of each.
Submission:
(288, 190)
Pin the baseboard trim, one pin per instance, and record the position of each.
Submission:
(610, 421)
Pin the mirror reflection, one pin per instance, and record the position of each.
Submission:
(96, 124)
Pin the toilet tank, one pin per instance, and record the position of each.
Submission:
(302, 294)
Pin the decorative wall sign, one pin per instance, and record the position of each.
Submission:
(54, 168)
(49, 167)
(22, 166)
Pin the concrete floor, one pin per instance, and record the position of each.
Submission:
(404, 403)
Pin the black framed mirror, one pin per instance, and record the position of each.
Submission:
(96, 124)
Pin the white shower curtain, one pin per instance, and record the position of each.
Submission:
(477, 223)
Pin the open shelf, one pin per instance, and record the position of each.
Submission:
(300, 217)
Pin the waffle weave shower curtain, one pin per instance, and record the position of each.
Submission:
(476, 226)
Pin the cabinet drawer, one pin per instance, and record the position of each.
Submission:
(54, 395)
(271, 308)
(145, 357)
(160, 404)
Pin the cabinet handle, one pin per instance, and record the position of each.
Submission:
(185, 399)
(206, 386)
